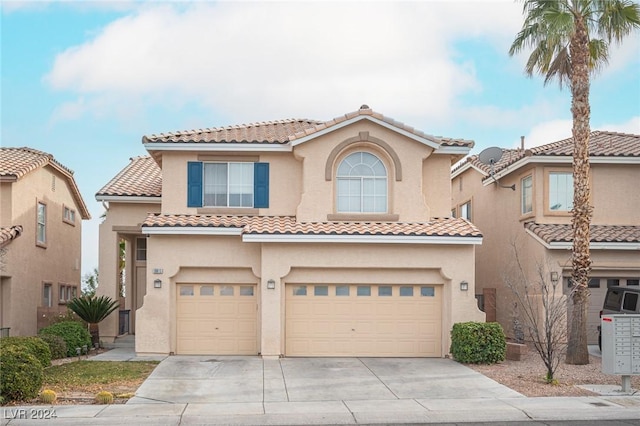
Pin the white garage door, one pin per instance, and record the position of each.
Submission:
(363, 320)
(216, 319)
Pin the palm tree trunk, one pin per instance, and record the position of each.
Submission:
(577, 351)
(95, 334)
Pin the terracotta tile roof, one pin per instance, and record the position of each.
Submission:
(9, 233)
(140, 178)
(601, 144)
(287, 225)
(366, 111)
(268, 132)
(284, 131)
(551, 233)
(15, 163)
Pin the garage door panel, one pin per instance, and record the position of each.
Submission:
(363, 325)
(209, 323)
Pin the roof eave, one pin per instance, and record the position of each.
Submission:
(152, 147)
(466, 167)
(423, 140)
(557, 159)
(361, 239)
(594, 245)
(137, 199)
(191, 230)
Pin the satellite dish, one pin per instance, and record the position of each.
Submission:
(491, 156)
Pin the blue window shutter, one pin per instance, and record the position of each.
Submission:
(194, 184)
(261, 185)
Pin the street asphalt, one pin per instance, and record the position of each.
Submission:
(233, 390)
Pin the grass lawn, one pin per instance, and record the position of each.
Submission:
(86, 378)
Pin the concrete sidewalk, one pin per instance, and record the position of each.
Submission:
(187, 390)
(400, 411)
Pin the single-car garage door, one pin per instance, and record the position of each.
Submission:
(363, 320)
(216, 319)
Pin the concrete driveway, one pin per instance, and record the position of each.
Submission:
(225, 379)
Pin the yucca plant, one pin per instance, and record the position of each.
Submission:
(93, 309)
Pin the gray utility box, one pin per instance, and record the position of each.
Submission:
(621, 344)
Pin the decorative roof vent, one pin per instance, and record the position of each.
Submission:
(365, 106)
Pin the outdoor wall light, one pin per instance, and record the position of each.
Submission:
(271, 284)
(464, 286)
(157, 283)
(554, 277)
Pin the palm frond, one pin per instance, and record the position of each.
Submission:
(93, 309)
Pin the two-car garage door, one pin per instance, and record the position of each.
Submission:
(320, 320)
(363, 320)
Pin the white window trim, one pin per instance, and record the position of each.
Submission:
(228, 192)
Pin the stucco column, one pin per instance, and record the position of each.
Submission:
(274, 268)
(108, 278)
(154, 319)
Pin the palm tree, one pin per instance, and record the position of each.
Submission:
(93, 309)
(569, 39)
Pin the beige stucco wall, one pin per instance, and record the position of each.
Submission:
(496, 211)
(615, 194)
(29, 266)
(418, 188)
(284, 172)
(226, 259)
(126, 217)
(421, 193)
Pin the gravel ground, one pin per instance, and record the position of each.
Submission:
(527, 376)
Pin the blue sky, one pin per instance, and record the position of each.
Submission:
(85, 81)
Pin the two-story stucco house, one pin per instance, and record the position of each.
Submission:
(292, 238)
(536, 216)
(41, 213)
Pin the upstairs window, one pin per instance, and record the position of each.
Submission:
(228, 185)
(361, 184)
(526, 187)
(41, 237)
(465, 210)
(69, 216)
(560, 191)
(231, 184)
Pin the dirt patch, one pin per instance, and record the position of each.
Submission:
(527, 376)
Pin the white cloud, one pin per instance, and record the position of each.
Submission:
(555, 130)
(630, 126)
(272, 60)
(547, 132)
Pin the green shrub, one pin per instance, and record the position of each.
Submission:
(33, 345)
(74, 334)
(57, 345)
(22, 374)
(478, 342)
(67, 316)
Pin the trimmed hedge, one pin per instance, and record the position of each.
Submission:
(22, 374)
(74, 334)
(57, 345)
(33, 345)
(478, 342)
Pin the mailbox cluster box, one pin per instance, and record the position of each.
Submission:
(621, 344)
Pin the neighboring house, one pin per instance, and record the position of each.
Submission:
(41, 217)
(291, 238)
(536, 216)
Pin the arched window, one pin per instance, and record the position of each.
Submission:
(362, 184)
